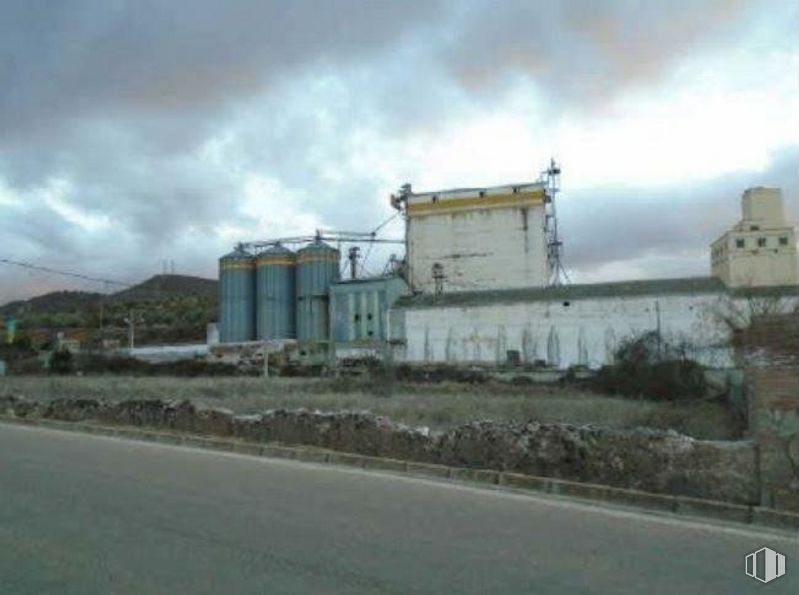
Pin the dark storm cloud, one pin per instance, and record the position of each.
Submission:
(119, 98)
(113, 58)
(124, 100)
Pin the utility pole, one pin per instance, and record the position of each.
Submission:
(657, 315)
(438, 277)
(353, 255)
(102, 307)
(131, 319)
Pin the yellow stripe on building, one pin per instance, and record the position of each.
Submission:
(307, 258)
(521, 199)
(236, 266)
(280, 260)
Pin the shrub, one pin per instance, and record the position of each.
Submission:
(98, 364)
(61, 362)
(646, 368)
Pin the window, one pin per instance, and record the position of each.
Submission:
(784, 241)
(482, 193)
(741, 243)
(754, 228)
(566, 304)
(368, 317)
(357, 317)
(761, 242)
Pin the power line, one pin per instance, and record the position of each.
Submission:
(64, 273)
(386, 222)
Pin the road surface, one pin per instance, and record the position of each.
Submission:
(90, 514)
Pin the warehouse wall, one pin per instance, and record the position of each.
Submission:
(359, 308)
(569, 332)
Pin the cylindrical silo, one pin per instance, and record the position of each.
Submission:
(317, 268)
(236, 297)
(274, 293)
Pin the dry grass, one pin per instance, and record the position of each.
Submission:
(434, 405)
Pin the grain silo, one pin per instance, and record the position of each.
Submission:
(236, 297)
(317, 268)
(274, 293)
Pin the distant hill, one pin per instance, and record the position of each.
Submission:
(162, 287)
(56, 301)
(173, 308)
(155, 288)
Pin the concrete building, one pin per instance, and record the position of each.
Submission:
(760, 250)
(580, 324)
(479, 287)
(500, 312)
(477, 238)
(359, 309)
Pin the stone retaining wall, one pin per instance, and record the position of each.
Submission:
(768, 352)
(648, 460)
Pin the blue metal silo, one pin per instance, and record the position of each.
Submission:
(274, 293)
(317, 268)
(236, 297)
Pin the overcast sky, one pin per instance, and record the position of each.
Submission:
(137, 131)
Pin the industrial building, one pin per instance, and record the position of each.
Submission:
(272, 294)
(482, 283)
(477, 238)
(761, 249)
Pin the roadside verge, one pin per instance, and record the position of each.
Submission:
(660, 503)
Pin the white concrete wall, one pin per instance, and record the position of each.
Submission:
(166, 353)
(586, 332)
(492, 248)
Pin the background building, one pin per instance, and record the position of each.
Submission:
(759, 250)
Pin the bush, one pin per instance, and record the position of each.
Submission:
(61, 362)
(648, 369)
(437, 373)
(382, 375)
(98, 364)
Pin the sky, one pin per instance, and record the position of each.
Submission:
(138, 131)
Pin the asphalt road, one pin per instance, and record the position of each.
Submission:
(89, 514)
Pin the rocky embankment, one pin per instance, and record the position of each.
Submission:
(642, 459)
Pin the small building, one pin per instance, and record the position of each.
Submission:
(110, 344)
(64, 344)
(359, 309)
(212, 333)
(760, 250)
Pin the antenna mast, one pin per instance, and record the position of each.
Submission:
(551, 179)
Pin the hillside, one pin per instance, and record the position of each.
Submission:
(56, 301)
(173, 308)
(167, 286)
